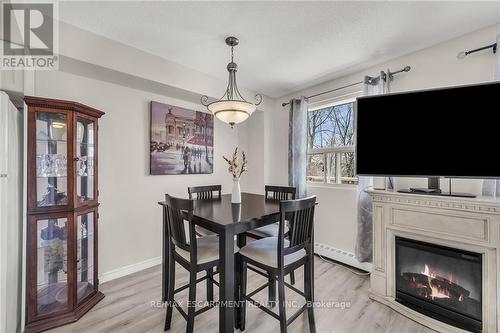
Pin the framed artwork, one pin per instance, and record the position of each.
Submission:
(181, 141)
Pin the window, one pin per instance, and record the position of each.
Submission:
(330, 142)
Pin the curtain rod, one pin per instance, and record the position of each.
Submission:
(390, 74)
(464, 54)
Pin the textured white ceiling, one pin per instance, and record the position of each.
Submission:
(284, 46)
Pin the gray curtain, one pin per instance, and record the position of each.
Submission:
(297, 145)
(372, 86)
(491, 187)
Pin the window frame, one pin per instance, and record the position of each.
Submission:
(337, 151)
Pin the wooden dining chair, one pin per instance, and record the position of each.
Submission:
(208, 192)
(280, 192)
(278, 256)
(194, 254)
(275, 193)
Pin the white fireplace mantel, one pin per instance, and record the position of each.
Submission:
(471, 224)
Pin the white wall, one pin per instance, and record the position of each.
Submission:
(251, 141)
(130, 218)
(85, 46)
(121, 81)
(436, 66)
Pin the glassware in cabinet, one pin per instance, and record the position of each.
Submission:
(51, 159)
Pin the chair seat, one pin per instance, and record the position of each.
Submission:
(208, 249)
(265, 251)
(270, 230)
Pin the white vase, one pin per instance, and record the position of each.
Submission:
(236, 195)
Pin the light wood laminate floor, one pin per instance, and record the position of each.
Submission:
(129, 306)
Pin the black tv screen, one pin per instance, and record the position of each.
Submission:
(451, 132)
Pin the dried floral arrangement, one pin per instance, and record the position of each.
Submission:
(235, 168)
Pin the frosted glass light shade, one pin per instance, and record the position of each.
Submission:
(232, 112)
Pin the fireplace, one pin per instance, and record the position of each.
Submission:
(440, 282)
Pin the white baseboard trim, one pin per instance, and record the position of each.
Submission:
(130, 269)
(327, 251)
(342, 256)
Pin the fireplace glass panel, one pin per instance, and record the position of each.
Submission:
(448, 280)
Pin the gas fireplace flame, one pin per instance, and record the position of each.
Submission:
(426, 271)
(437, 284)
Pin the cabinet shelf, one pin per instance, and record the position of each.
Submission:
(90, 268)
(43, 177)
(46, 247)
(52, 140)
(89, 236)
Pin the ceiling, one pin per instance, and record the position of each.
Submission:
(284, 46)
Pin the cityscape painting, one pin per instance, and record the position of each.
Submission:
(181, 141)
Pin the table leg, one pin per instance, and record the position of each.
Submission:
(227, 291)
(241, 241)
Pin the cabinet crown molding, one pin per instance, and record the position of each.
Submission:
(59, 104)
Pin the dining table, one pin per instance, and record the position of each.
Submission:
(229, 221)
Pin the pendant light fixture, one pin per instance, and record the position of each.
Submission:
(232, 108)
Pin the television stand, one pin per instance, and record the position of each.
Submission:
(443, 194)
(434, 189)
(425, 190)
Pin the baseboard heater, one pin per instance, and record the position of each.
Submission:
(342, 256)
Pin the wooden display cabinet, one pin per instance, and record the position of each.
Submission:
(62, 281)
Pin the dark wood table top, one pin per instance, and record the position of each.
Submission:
(254, 211)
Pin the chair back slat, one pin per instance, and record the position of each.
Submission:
(280, 193)
(300, 215)
(205, 192)
(177, 211)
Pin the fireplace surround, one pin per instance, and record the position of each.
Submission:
(418, 243)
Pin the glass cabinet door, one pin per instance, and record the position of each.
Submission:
(85, 227)
(85, 160)
(52, 284)
(51, 159)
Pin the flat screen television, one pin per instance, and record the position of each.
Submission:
(450, 132)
